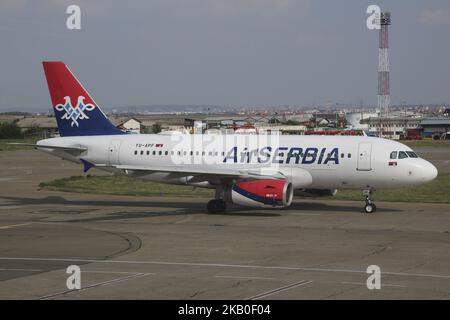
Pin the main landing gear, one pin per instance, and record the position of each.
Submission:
(216, 206)
(370, 207)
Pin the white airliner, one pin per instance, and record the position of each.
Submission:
(247, 170)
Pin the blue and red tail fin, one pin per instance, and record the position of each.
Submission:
(76, 112)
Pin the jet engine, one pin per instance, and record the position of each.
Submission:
(262, 193)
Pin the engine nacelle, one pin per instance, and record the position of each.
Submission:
(316, 192)
(262, 193)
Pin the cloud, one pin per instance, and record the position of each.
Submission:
(435, 16)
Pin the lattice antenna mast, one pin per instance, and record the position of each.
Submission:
(383, 65)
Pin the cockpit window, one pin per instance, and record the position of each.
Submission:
(412, 154)
(393, 155)
(402, 155)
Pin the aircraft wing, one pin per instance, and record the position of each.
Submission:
(210, 174)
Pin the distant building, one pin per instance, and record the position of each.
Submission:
(246, 129)
(330, 120)
(233, 122)
(45, 127)
(354, 120)
(434, 126)
(167, 128)
(391, 128)
(129, 125)
(281, 129)
(300, 118)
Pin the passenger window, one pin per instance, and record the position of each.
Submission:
(349, 155)
(148, 152)
(342, 155)
(393, 155)
(135, 152)
(402, 155)
(166, 153)
(412, 154)
(154, 152)
(142, 152)
(160, 153)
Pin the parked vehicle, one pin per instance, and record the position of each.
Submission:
(411, 134)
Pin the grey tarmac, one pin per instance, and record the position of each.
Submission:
(169, 248)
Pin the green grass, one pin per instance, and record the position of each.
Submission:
(426, 143)
(4, 146)
(120, 185)
(436, 191)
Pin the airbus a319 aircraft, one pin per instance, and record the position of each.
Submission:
(247, 170)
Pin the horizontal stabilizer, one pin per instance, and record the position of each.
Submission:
(86, 165)
(41, 146)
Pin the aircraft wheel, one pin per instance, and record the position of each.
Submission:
(216, 206)
(370, 208)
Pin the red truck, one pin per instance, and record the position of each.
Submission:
(411, 134)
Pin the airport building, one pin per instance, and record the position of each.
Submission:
(129, 125)
(435, 126)
(42, 126)
(354, 120)
(392, 128)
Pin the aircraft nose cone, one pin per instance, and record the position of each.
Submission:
(422, 171)
(430, 172)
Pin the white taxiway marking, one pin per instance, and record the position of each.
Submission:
(222, 265)
(100, 284)
(383, 285)
(243, 277)
(112, 272)
(31, 270)
(281, 289)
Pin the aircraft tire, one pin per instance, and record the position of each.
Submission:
(370, 208)
(216, 206)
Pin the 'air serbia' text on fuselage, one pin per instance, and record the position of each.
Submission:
(283, 155)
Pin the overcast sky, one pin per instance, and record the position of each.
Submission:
(224, 52)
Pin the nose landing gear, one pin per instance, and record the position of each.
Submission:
(370, 206)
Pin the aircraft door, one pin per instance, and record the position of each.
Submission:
(364, 156)
(113, 152)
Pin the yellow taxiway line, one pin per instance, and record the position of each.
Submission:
(14, 225)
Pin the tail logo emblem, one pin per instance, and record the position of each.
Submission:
(74, 113)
